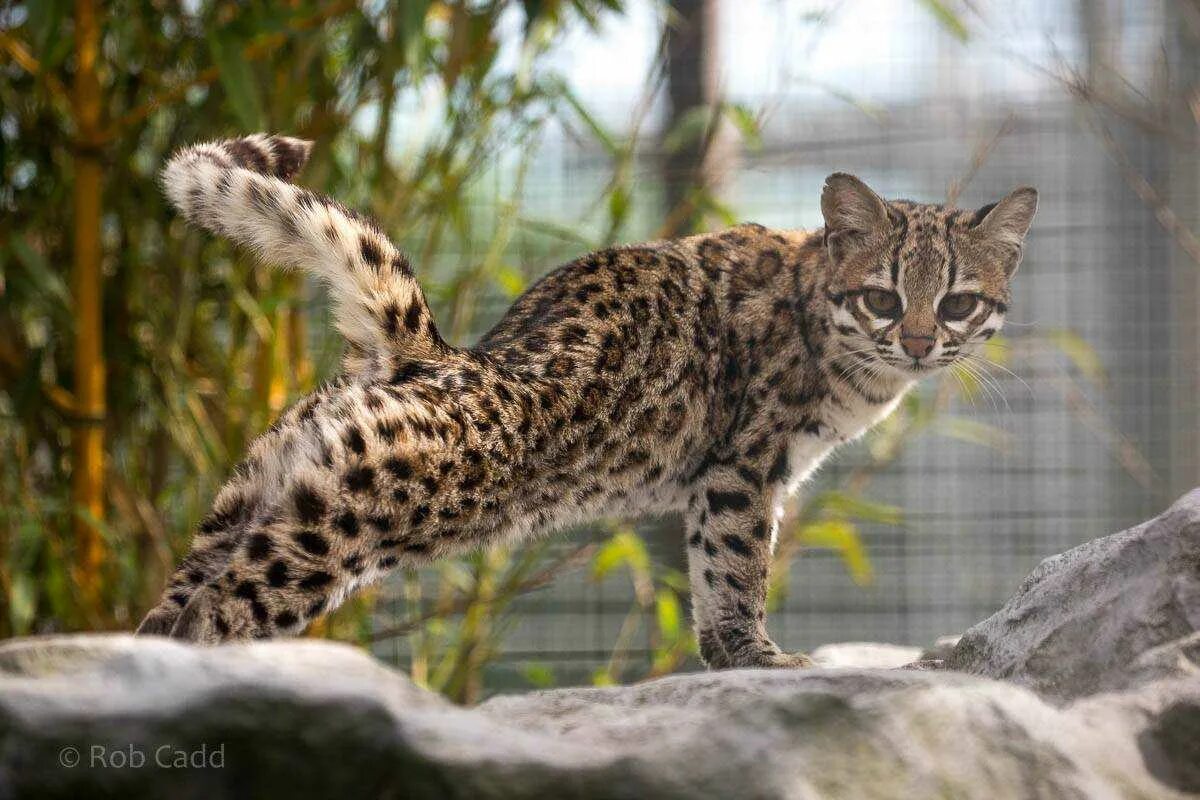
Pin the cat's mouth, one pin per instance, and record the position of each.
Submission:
(911, 366)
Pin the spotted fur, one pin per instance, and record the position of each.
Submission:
(707, 375)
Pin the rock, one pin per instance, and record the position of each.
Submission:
(941, 648)
(864, 654)
(1092, 619)
(1049, 711)
(311, 719)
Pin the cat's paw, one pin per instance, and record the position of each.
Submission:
(776, 661)
(197, 621)
(790, 661)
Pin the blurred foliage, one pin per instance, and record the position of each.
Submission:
(202, 346)
(426, 117)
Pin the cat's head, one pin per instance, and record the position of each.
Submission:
(915, 287)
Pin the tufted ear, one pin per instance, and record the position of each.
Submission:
(853, 214)
(1005, 224)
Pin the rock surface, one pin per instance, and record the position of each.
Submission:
(1098, 617)
(1116, 715)
(864, 654)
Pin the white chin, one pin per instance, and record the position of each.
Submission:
(917, 370)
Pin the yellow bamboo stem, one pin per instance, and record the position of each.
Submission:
(87, 479)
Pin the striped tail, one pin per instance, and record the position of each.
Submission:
(239, 189)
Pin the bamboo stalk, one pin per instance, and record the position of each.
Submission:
(87, 477)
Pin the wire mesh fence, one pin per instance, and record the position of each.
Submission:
(1090, 423)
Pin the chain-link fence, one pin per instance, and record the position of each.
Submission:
(1092, 422)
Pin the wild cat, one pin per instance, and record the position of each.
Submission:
(707, 375)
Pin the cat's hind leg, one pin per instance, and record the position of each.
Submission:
(216, 538)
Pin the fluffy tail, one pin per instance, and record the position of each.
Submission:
(238, 189)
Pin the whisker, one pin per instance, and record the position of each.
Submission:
(993, 381)
(997, 365)
(984, 383)
(966, 393)
(831, 358)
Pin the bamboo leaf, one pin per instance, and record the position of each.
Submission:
(624, 548)
(689, 129)
(606, 139)
(746, 121)
(509, 279)
(848, 505)
(947, 18)
(44, 21)
(1081, 354)
(237, 79)
(668, 614)
(38, 272)
(619, 202)
(603, 677)
(22, 601)
(842, 537)
(539, 675)
(973, 432)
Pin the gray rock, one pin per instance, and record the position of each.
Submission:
(1092, 619)
(115, 716)
(864, 654)
(941, 648)
(310, 719)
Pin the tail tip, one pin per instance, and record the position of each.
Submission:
(289, 155)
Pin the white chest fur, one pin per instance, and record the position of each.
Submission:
(842, 420)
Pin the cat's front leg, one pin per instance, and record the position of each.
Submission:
(729, 528)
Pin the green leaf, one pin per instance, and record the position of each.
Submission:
(689, 129)
(842, 537)
(674, 579)
(668, 614)
(564, 232)
(619, 203)
(601, 133)
(539, 675)
(603, 677)
(848, 505)
(237, 79)
(410, 31)
(947, 18)
(624, 548)
(509, 279)
(44, 21)
(1081, 354)
(973, 432)
(37, 270)
(746, 121)
(22, 602)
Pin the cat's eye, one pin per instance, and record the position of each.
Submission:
(882, 302)
(958, 306)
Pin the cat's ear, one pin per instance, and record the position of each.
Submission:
(1004, 225)
(853, 214)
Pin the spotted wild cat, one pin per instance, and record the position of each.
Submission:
(707, 375)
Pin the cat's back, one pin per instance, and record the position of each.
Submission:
(597, 292)
(667, 281)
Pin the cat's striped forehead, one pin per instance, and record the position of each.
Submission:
(931, 253)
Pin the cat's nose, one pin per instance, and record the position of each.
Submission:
(916, 346)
